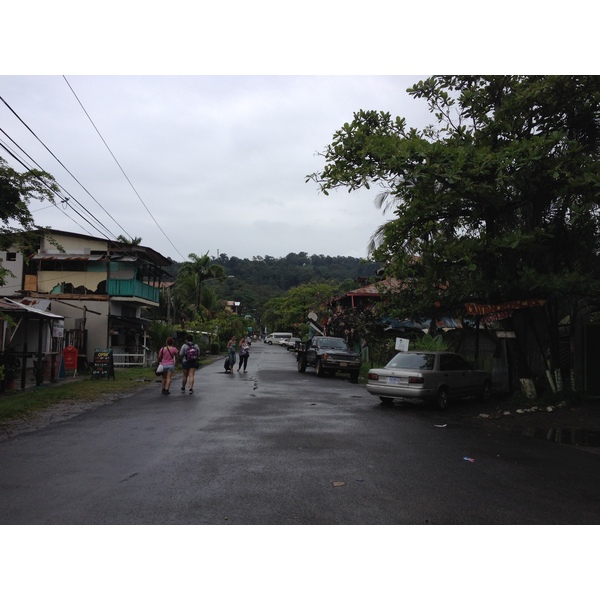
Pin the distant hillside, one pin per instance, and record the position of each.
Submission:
(256, 280)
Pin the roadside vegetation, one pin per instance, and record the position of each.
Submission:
(19, 404)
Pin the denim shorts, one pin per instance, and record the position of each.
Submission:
(169, 368)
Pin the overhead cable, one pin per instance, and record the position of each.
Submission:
(120, 167)
(62, 165)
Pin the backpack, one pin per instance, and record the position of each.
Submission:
(191, 353)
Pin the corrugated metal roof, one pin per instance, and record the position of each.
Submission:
(9, 305)
(87, 257)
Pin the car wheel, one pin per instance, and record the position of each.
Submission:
(485, 395)
(385, 400)
(319, 369)
(354, 376)
(301, 365)
(270, 343)
(441, 401)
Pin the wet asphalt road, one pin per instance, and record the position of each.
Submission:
(278, 447)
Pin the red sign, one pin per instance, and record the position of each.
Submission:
(70, 355)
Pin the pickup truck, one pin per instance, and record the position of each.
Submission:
(328, 355)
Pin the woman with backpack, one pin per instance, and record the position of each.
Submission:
(189, 354)
(167, 359)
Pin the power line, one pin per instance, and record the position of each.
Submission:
(126, 251)
(113, 239)
(120, 167)
(62, 165)
(64, 200)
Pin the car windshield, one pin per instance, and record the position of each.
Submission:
(419, 362)
(333, 343)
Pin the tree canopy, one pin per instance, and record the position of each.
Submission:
(16, 191)
(497, 201)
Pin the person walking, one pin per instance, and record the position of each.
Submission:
(189, 354)
(231, 344)
(244, 354)
(167, 357)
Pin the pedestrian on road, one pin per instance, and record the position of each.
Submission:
(244, 354)
(231, 344)
(167, 357)
(189, 354)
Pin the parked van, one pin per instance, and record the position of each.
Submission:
(277, 337)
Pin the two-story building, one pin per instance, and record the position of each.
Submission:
(100, 287)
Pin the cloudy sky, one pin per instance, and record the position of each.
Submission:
(215, 113)
(195, 131)
(200, 163)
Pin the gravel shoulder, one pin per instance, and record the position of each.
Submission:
(54, 414)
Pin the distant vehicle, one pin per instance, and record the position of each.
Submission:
(432, 376)
(290, 343)
(276, 337)
(328, 355)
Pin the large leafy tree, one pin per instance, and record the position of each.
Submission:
(17, 190)
(499, 200)
(290, 311)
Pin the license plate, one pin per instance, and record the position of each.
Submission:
(343, 364)
(393, 380)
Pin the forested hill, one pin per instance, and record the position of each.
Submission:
(296, 269)
(266, 277)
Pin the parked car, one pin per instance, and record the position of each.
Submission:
(432, 376)
(290, 343)
(328, 355)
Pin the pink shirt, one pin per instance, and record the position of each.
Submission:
(167, 355)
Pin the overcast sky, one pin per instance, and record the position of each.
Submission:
(213, 156)
(219, 160)
(201, 164)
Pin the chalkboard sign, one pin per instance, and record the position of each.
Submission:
(103, 366)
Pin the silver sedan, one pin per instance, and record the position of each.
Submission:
(432, 376)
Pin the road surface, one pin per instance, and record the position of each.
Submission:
(278, 447)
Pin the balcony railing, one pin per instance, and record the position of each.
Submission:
(132, 288)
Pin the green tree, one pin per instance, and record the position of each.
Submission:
(191, 277)
(497, 201)
(158, 332)
(290, 311)
(17, 227)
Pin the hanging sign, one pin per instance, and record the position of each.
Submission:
(486, 309)
(402, 344)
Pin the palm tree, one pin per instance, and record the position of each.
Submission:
(194, 273)
(136, 241)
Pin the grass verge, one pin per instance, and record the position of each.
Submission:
(16, 404)
(23, 403)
